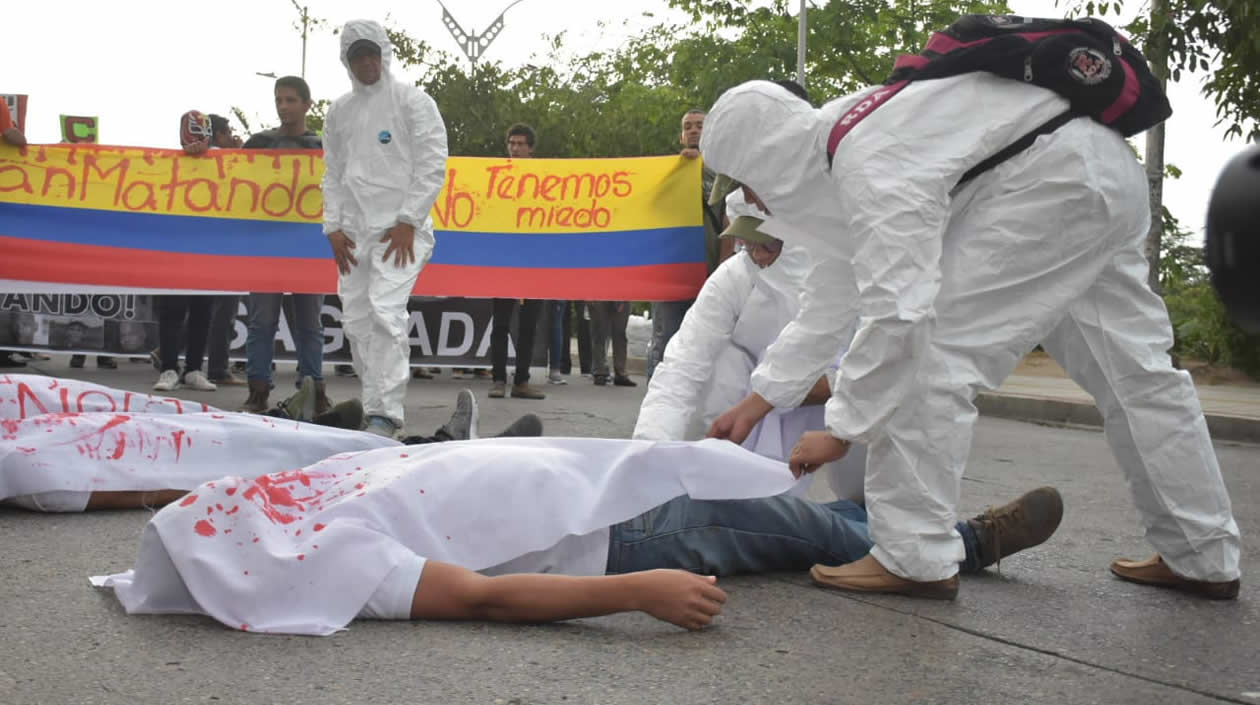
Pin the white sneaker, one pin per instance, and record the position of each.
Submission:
(167, 381)
(197, 380)
(556, 378)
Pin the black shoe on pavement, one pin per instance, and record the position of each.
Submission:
(347, 414)
(600, 380)
(624, 381)
(528, 426)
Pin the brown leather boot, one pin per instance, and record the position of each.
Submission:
(1154, 571)
(322, 404)
(869, 575)
(1026, 522)
(259, 390)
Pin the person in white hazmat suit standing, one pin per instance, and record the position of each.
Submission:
(385, 162)
(708, 364)
(954, 284)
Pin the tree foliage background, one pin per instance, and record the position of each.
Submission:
(627, 99)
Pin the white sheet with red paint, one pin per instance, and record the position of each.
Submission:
(24, 396)
(301, 552)
(116, 451)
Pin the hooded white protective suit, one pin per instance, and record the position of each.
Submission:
(385, 162)
(954, 286)
(708, 364)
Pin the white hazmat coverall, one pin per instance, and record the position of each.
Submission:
(954, 286)
(385, 162)
(708, 364)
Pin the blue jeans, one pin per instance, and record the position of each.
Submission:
(306, 328)
(733, 537)
(667, 318)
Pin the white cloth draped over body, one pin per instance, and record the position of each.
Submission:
(118, 450)
(23, 395)
(301, 552)
(708, 364)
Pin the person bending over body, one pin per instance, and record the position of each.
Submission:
(708, 363)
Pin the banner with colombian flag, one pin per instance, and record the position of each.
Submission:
(89, 217)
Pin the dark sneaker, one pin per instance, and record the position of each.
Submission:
(76, 362)
(624, 381)
(600, 380)
(527, 391)
(1154, 571)
(344, 370)
(497, 390)
(420, 373)
(105, 362)
(528, 426)
(347, 414)
(463, 423)
(301, 406)
(1026, 522)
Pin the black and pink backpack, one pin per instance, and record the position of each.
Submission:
(1086, 61)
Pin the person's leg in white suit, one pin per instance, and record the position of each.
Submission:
(374, 315)
(1114, 343)
(1026, 246)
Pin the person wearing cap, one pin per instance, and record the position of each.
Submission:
(953, 284)
(385, 162)
(708, 364)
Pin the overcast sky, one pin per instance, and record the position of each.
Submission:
(139, 64)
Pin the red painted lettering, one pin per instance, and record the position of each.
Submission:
(290, 192)
(253, 191)
(48, 182)
(23, 183)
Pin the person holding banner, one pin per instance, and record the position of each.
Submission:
(293, 101)
(385, 163)
(199, 133)
(8, 129)
(667, 316)
(520, 145)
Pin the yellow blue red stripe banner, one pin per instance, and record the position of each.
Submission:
(132, 219)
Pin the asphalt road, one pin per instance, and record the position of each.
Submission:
(1052, 627)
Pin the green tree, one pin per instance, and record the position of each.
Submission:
(1202, 328)
(1189, 36)
(627, 100)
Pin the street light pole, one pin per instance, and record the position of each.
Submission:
(306, 18)
(472, 44)
(800, 47)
